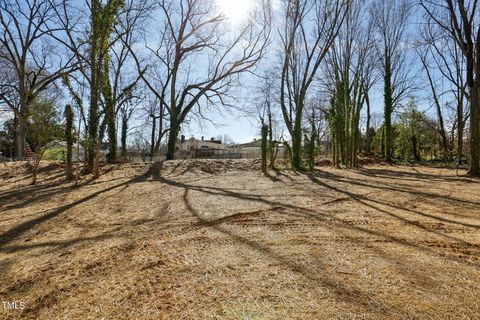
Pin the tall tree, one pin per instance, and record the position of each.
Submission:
(196, 32)
(263, 102)
(308, 31)
(391, 18)
(370, 77)
(348, 67)
(120, 84)
(102, 19)
(90, 38)
(264, 146)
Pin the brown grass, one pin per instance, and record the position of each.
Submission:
(218, 240)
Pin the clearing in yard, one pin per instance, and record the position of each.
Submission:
(219, 240)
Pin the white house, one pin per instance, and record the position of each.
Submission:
(194, 147)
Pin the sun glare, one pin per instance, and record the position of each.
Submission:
(235, 10)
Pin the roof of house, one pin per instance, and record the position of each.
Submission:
(204, 141)
(209, 144)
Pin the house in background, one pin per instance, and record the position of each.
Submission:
(194, 148)
(252, 150)
(214, 149)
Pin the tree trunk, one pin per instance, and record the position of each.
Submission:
(172, 139)
(443, 134)
(112, 133)
(382, 143)
(124, 135)
(297, 143)
(460, 127)
(311, 147)
(20, 137)
(160, 130)
(69, 139)
(264, 147)
(368, 134)
(415, 153)
(474, 167)
(92, 130)
(152, 140)
(36, 162)
(109, 111)
(96, 163)
(95, 83)
(356, 133)
(271, 147)
(388, 101)
(22, 118)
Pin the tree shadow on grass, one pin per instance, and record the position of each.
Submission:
(280, 173)
(315, 214)
(364, 200)
(367, 202)
(14, 232)
(271, 177)
(153, 174)
(385, 186)
(50, 292)
(341, 292)
(15, 194)
(58, 245)
(413, 176)
(306, 212)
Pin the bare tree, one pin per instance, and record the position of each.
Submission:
(152, 64)
(436, 101)
(196, 33)
(90, 39)
(391, 18)
(308, 31)
(121, 79)
(265, 101)
(126, 111)
(459, 20)
(446, 57)
(369, 78)
(26, 29)
(349, 70)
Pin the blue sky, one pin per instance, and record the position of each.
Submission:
(243, 129)
(241, 126)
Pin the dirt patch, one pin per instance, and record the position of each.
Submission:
(217, 239)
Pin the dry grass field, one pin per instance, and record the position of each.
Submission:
(218, 240)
